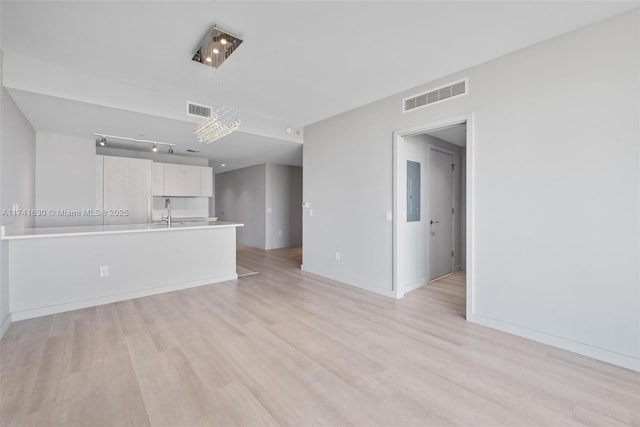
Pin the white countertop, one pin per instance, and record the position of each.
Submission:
(177, 225)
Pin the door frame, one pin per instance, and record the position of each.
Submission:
(398, 139)
(453, 198)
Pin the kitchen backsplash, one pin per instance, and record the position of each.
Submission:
(181, 207)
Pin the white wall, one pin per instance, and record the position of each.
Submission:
(18, 164)
(4, 261)
(284, 206)
(17, 181)
(181, 207)
(241, 197)
(65, 177)
(556, 186)
(54, 274)
(413, 247)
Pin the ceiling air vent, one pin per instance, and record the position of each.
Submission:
(198, 110)
(436, 95)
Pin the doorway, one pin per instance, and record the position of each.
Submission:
(435, 239)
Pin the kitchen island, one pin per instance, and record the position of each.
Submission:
(59, 269)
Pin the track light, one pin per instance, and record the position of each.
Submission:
(102, 141)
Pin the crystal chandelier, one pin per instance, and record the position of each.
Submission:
(222, 122)
(213, 51)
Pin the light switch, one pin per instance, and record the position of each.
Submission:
(389, 216)
(310, 212)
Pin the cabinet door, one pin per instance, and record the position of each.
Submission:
(99, 187)
(127, 187)
(181, 180)
(157, 170)
(206, 182)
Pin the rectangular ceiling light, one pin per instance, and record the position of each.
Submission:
(216, 47)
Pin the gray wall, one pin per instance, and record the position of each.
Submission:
(267, 199)
(284, 206)
(241, 197)
(556, 187)
(65, 177)
(17, 181)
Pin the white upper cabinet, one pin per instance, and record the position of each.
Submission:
(181, 180)
(206, 181)
(157, 171)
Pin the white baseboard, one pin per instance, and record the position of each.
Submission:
(415, 285)
(91, 302)
(5, 325)
(387, 293)
(608, 356)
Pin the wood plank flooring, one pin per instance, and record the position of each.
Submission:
(288, 348)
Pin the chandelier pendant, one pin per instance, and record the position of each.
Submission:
(222, 122)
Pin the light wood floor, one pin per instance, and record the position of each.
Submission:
(287, 348)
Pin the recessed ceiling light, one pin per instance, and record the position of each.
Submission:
(216, 51)
(223, 165)
(208, 59)
(223, 41)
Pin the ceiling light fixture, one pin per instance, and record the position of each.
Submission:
(154, 144)
(214, 50)
(216, 40)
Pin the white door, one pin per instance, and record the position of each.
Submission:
(441, 213)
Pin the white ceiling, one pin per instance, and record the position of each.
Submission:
(300, 61)
(456, 134)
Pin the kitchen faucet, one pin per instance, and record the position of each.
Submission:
(167, 204)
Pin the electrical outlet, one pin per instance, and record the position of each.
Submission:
(337, 256)
(104, 271)
(280, 233)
